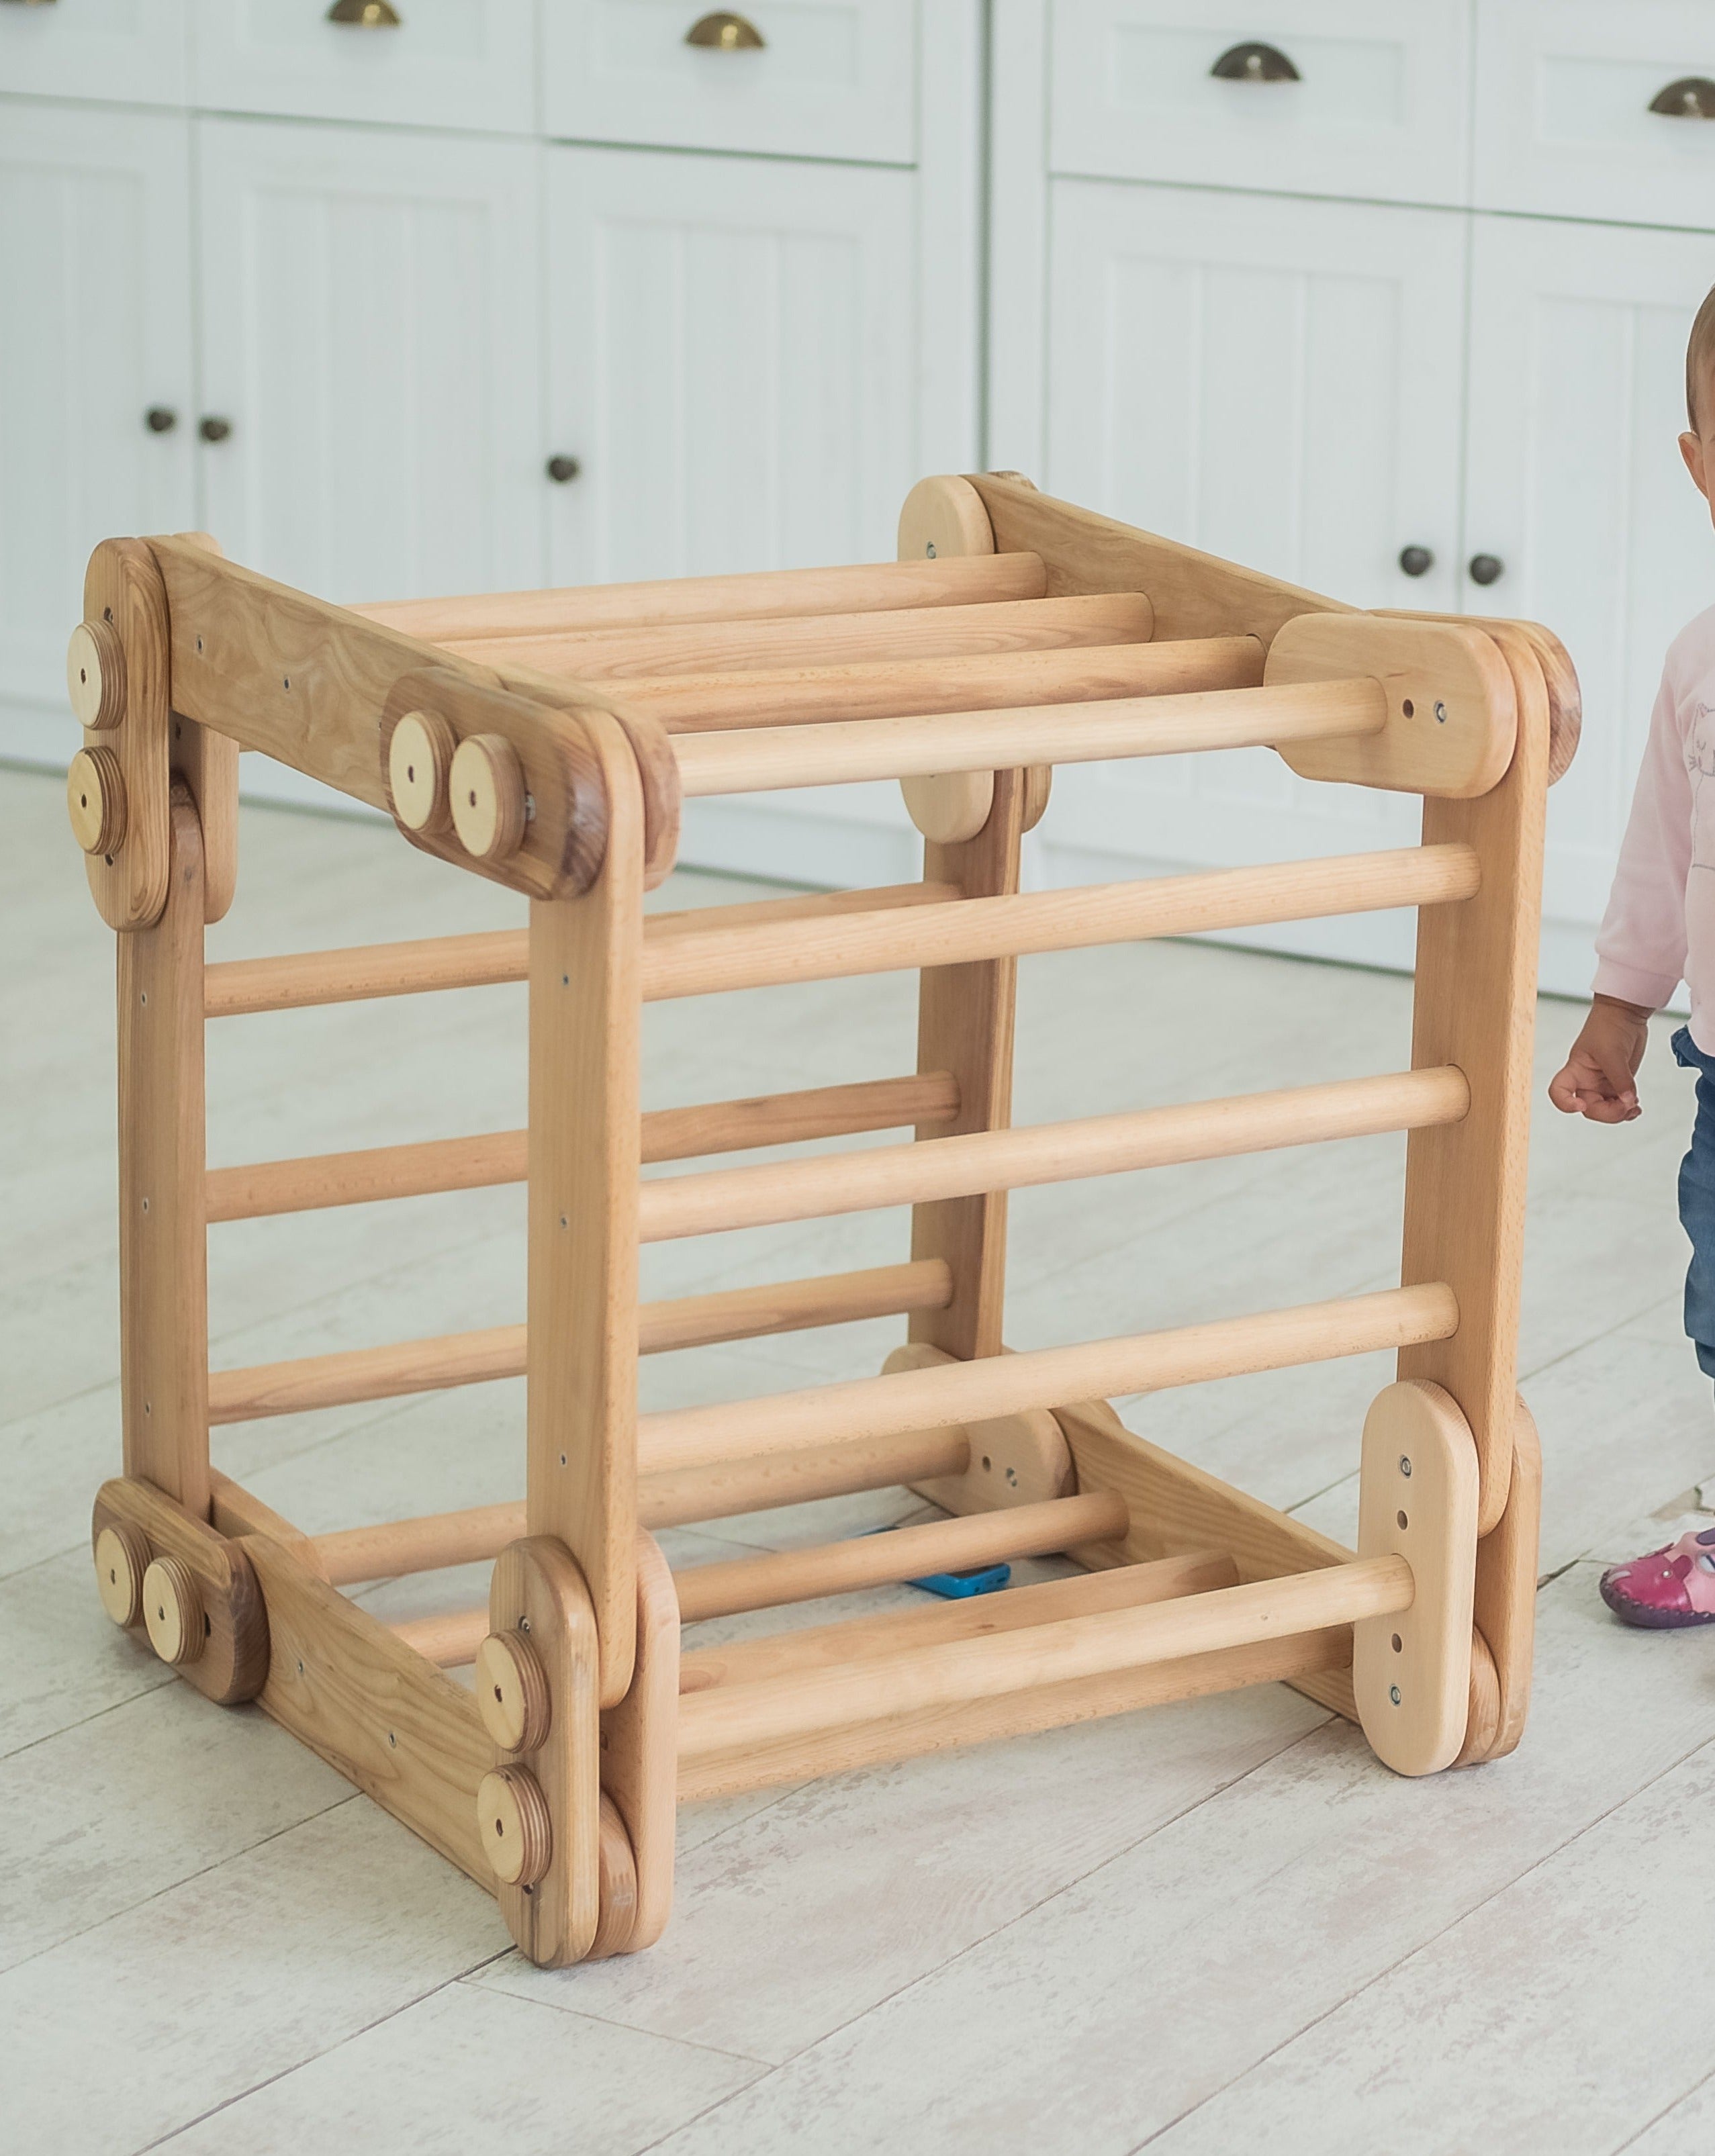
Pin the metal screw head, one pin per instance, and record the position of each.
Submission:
(1440, 715)
(1404, 1464)
(929, 551)
(1394, 1694)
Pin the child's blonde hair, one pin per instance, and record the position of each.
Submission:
(1700, 355)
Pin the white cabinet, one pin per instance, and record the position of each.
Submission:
(733, 363)
(828, 78)
(133, 50)
(1262, 378)
(94, 334)
(1574, 483)
(371, 304)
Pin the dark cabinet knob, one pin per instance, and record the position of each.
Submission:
(1485, 568)
(561, 468)
(1254, 62)
(213, 429)
(1416, 561)
(161, 418)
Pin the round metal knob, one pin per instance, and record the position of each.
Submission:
(161, 418)
(1416, 561)
(1485, 568)
(561, 468)
(214, 429)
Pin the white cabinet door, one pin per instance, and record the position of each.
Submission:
(1278, 381)
(734, 364)
(1575, 485)
(371, 338)
(95, 334)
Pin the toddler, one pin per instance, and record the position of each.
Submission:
(1659, 929)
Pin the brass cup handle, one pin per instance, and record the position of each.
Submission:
(724, 32)
(365, 14)
(1692, 97)
(1254, 62)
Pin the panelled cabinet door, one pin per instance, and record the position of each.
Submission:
(131, 49)
(732, 363)
(1275, 381)
(95, 335)
(371, 348)
(1575, 486)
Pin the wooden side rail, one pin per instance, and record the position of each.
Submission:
(791, 697)
(237, 987)
(263, 1188)
(473, 1358)
(762, 758)
(838, 640)
(757, 595)
(968, 1392)
(1013, 1159)
(727, 1716)
(707, 960)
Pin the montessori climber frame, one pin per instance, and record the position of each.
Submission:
(544, 739)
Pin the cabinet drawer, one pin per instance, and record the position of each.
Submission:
(132, 49)
(1379, 105)
(829, 79)
(445, 64)
(1564, 123)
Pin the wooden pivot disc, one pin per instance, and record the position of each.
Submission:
(173, 1611)
(121, 1559)
(95, 800)
(419, 763)
(487, 786)
(951, 807)
(512, 1818)
(94, 675)
(941, 515)
(512, 1692)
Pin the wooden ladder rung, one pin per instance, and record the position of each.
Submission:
(1012, 1159)
(237, 987)
(475, 1359)
(763, 759)
(738, 1713)
(722, 956)
(263, 1188)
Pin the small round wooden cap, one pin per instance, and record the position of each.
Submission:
(419, 763)
(95, 800)
(172, 1610)
(951, 807)
(487, 786)
(121, 1559)
(512, 1692)
(512, 1818)
(94, 675)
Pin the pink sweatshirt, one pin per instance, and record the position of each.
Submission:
(1660, 926)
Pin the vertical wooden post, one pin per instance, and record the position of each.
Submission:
(585, 1004)
(1476, 1007)
(163, 1275)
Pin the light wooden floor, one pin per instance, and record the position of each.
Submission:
(1207, 1926)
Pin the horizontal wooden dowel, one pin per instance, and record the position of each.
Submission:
(716, 959)
(936, 1168)
(729, 1716)
(959, 1392)
(789, 697)
(757, 595)
(804, 1575)
(428, 1543)
(449, 1640)
(765, 759)
(840, 639)
(238, 986)
(263, 1188)
(473, 1358)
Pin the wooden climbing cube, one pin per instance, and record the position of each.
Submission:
(546, 740)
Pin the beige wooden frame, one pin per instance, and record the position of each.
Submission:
(1014, 632)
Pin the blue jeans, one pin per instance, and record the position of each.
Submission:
(1697, 1203)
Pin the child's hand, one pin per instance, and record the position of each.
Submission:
(1596, 1080)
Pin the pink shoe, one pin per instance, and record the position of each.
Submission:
(1671, 1587)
